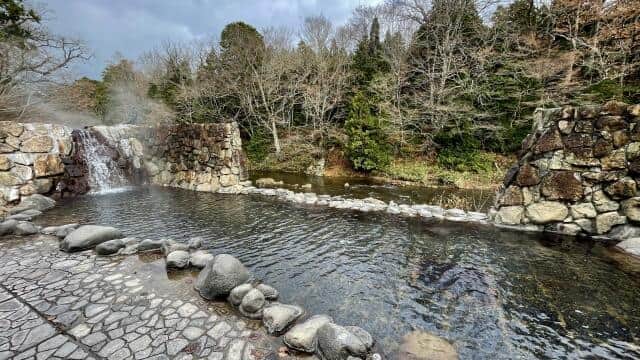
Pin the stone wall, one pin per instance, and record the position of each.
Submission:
(203, 157)
(32, 159)
(577, 174)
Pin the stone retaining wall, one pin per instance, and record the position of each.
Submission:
(577, 174)
(48, 159)
(32, 159)
(203, 157)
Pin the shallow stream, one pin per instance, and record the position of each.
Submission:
(493, 293)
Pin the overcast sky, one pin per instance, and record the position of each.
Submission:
(134, 26)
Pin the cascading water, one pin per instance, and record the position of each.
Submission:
(104, 173)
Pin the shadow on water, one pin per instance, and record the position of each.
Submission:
(493, 293)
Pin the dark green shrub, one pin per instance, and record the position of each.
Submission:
(461, 151)
(367, 146)
(258, 146)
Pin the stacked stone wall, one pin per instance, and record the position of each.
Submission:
(578, 173)
(32, 159)
(203, 157)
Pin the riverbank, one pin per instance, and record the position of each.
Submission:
(409, 171)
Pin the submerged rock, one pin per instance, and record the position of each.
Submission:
(220, 276)
(88, 236)
(278, 317)
(7, 227)
(269, 292)
(178, 259)
(200, 258)
(195, 242)
(110, 247)
(420, 345)
(26, 215)
(339, 343)
(150, 245)
(169, 246)
(302, 337)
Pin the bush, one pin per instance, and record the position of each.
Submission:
(606, 90)
(367, 146)
(461, 152)
(258, 146)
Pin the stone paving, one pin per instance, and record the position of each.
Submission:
(55, 305)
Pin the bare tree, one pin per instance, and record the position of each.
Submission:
(26, 65)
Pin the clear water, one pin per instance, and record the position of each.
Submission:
(493, 293)
(360, 188)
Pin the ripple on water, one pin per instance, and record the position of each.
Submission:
(493, 293)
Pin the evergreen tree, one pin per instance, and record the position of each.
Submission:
(367, 148)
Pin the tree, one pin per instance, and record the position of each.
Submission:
(368, 59)
(367, 148)
(30, 57)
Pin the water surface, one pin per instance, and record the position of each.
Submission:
(493, 293)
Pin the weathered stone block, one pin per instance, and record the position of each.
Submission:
(603, 203)
(631, 209)
(604, 222)
(622, 189)
(48, 165)
(584, 210)
(528, 176)
(616, 160)
(512, 196)
(509, 215)
(37, 144)
(562, 185)
(544, 212)
(548, 141)
(5, 163)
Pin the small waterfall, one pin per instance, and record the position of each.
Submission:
(104, 172)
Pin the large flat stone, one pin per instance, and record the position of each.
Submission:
(88, 236)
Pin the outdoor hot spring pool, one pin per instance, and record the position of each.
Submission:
(493, 293)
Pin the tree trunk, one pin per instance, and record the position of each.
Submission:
(276, 140)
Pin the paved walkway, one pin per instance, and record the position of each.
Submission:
(55, 305)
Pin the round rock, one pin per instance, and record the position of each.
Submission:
(200, 258)
(88, 236)
(253, 301)
(26, 228)
(237, 294)
(278, 317)
(220, 276)
(178, 259)
(110, 247)
(269, 292)
(302, 337)
(195, 242)
(337, 343)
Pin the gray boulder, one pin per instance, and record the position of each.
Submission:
(150, 245)
(7, 227)
(278, 317)
(339, 343)
(195, 242)
(60, 231)
(252, 302)
(630, 246)
(26, 228)
(237, 294)
(33, 202)
(88, 236)
(65, 230)
(110, 247)
(302, 337)
(129, 249)
(26, 215)
(178, 259)
(269, 292)
(200, 258)
(220, 276)
(169, 246)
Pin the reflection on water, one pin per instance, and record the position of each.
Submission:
(493, 293)
(360, 188)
